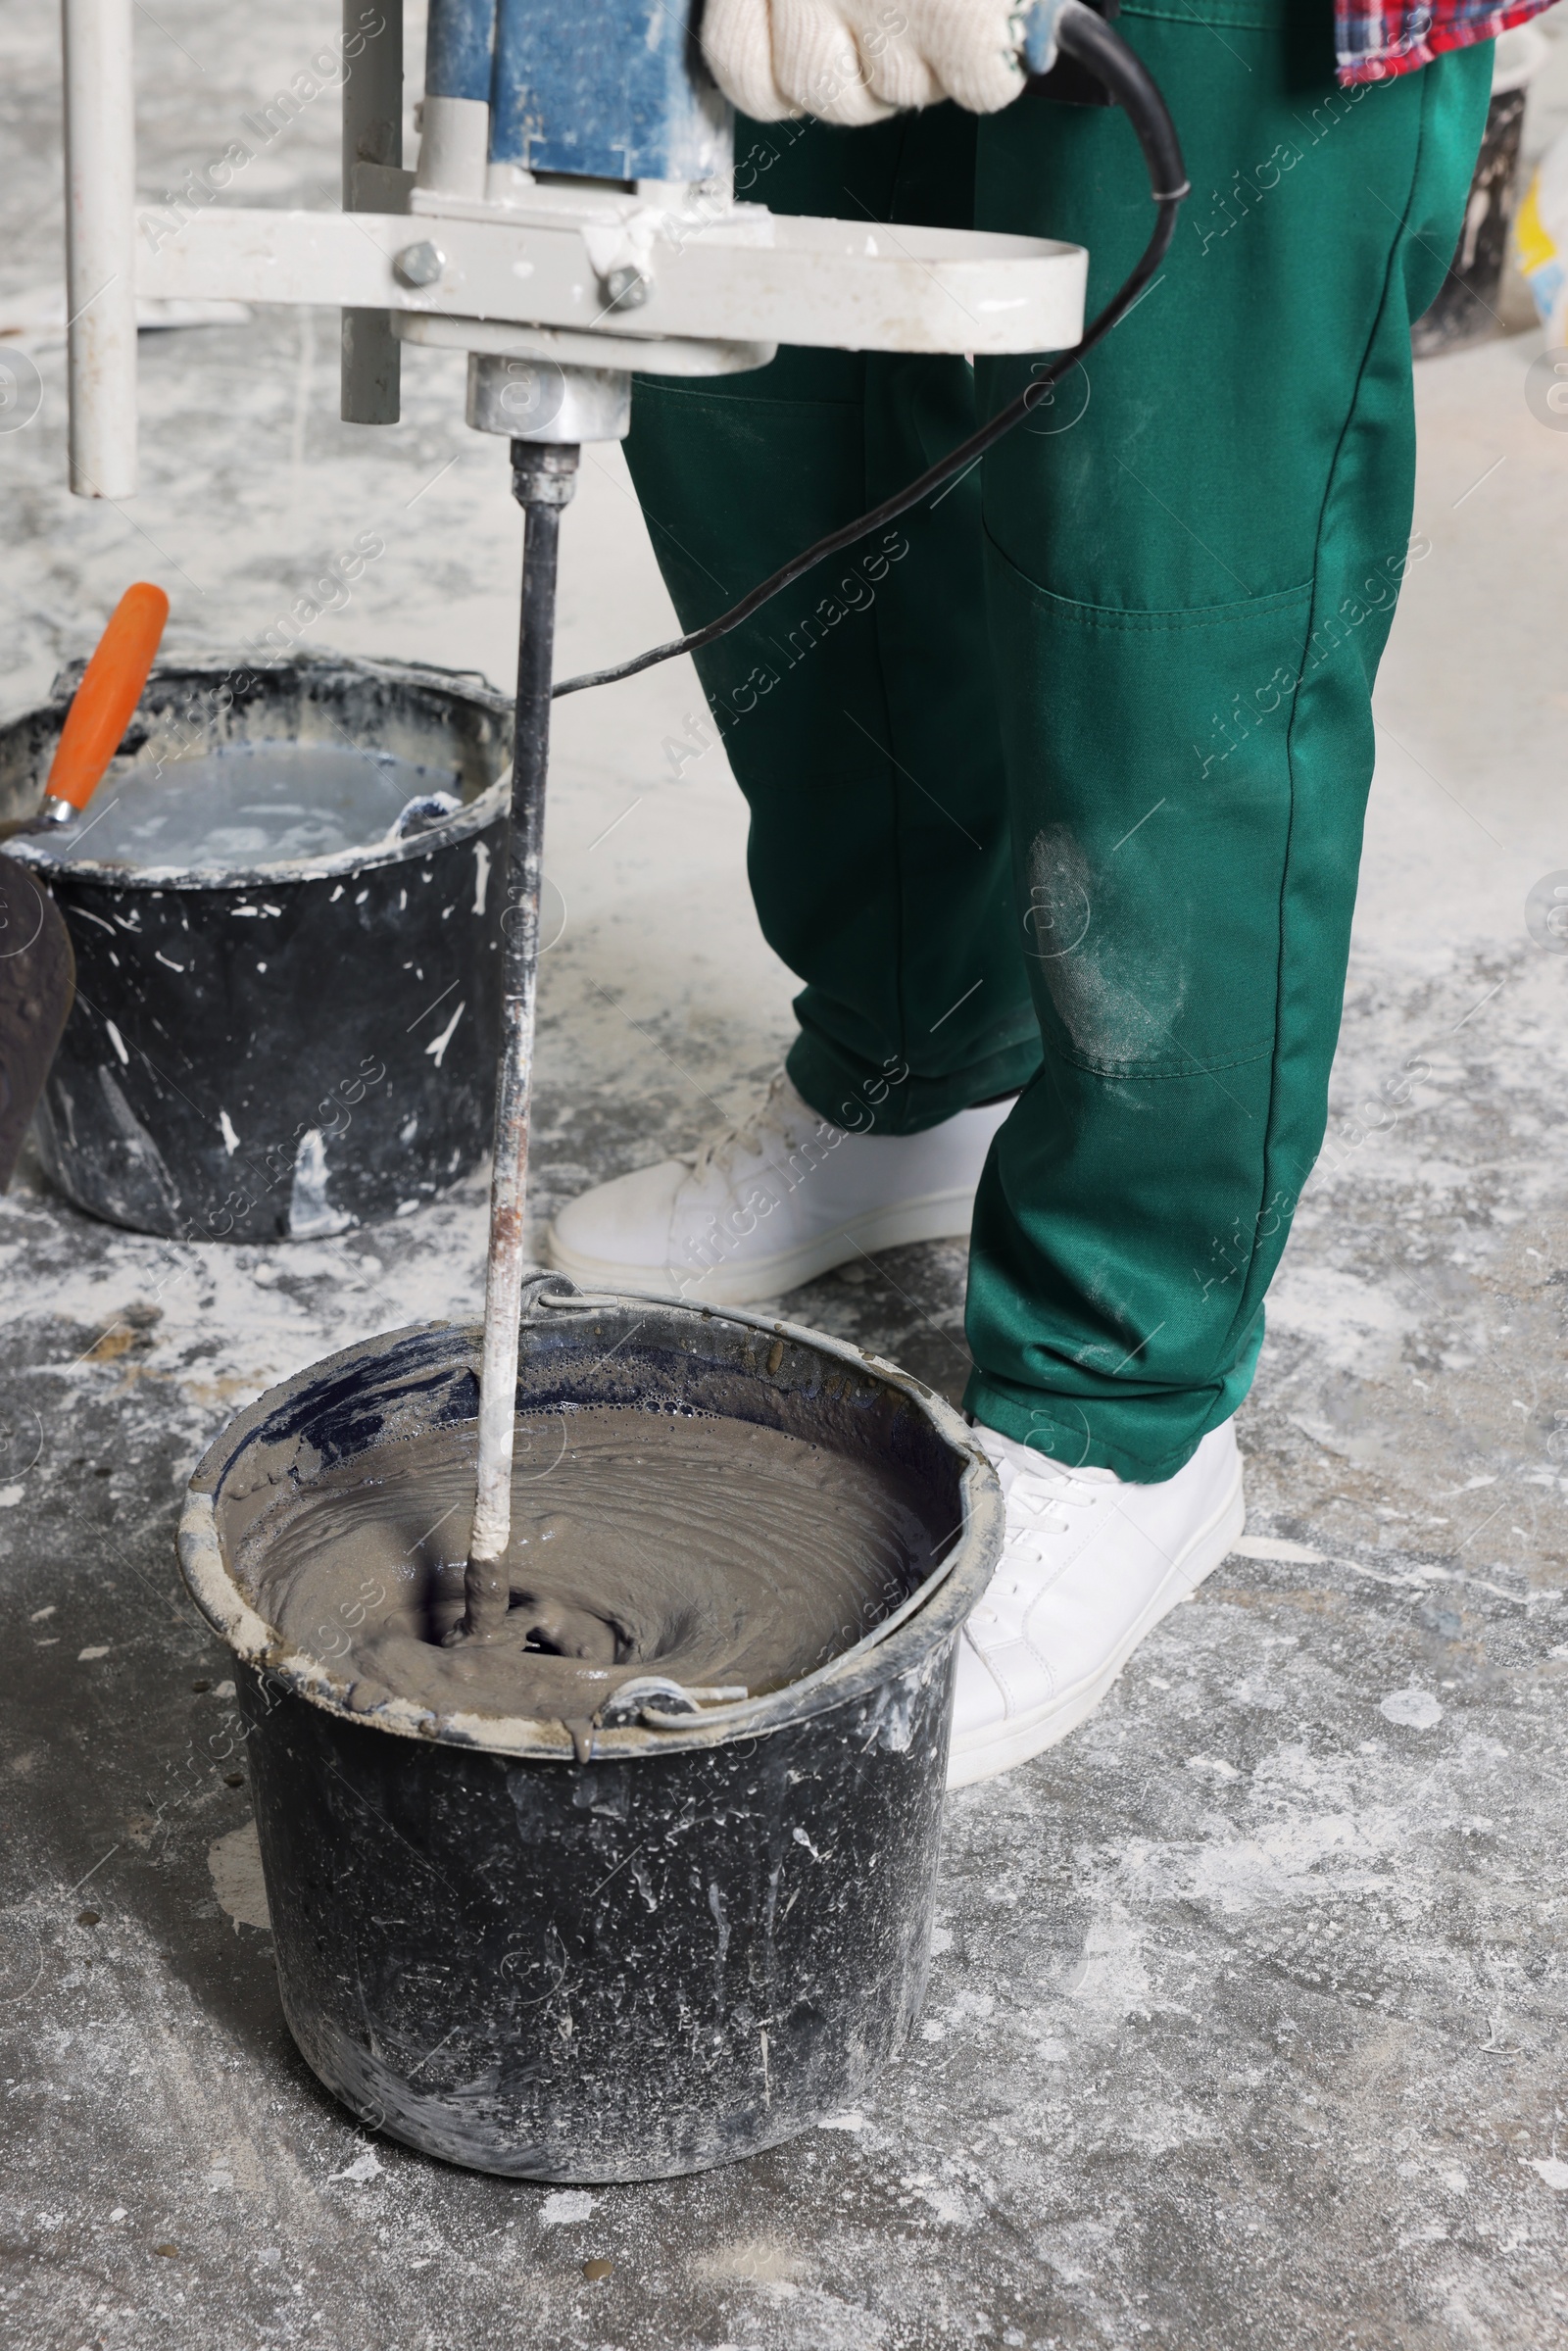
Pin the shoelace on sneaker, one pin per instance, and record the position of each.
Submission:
(1039, 1503)
(1038, 1508)
(1047, 1484)
(746, 1136)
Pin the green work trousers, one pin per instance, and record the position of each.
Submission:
(1059, 783)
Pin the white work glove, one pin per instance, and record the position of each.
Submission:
(859, 60)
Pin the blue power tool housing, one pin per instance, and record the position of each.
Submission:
(596, 89)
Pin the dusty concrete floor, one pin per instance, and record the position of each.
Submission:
(1245, 2022)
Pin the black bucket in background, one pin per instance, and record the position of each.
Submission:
(292, 1050)
(703, 1939)
(1468, 303)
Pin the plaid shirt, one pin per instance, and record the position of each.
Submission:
(1377, 39)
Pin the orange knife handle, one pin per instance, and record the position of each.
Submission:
(108, 694)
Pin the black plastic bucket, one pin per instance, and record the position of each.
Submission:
(287, 1050)
(694, 1944)
(1469, 301)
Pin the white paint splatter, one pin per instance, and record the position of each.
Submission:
(234, 1865)
(1268, 1546)
(758, 2260)
(438, 1045)
(568, 2204)
(10, 1497)
(118, 1042)
(361, 2170)
(311, 1216)
(1553, 2169)
(143, 1151)
(946, 2204)
(1353, 1327)
(1417, 1709)
(86, 1656)
(481, 875)
(1282, 1862)
(1110, 1980)
(225, 1127)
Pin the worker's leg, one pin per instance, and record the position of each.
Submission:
(857, 709)
(1190, 588)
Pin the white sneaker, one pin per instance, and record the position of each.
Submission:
(1091, 1563)
(773, 1202)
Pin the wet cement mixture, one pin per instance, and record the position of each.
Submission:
(249, 805)
(716, 1552)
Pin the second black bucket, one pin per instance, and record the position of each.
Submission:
(707, 1937)
(1468, 304)
(283, 1053)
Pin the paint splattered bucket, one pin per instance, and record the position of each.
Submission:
(281, 1052)
(712, 1933)
(1470, 299)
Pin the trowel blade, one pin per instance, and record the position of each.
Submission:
(37, 983)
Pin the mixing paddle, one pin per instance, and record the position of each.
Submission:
(544, 477)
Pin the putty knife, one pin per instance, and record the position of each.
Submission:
(101, 708)
(37, 969)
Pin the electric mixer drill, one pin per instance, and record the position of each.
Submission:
(574, 217)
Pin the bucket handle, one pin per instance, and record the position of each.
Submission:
(644, 1697)
(659, 1718)
(557, 1292)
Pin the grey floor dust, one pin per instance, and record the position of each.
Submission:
(1246, 2024)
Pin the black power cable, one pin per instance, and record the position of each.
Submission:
(1086, 36)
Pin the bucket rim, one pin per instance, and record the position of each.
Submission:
(917, 1631)
(474, 816)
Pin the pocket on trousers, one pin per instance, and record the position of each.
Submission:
(1149, 778)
